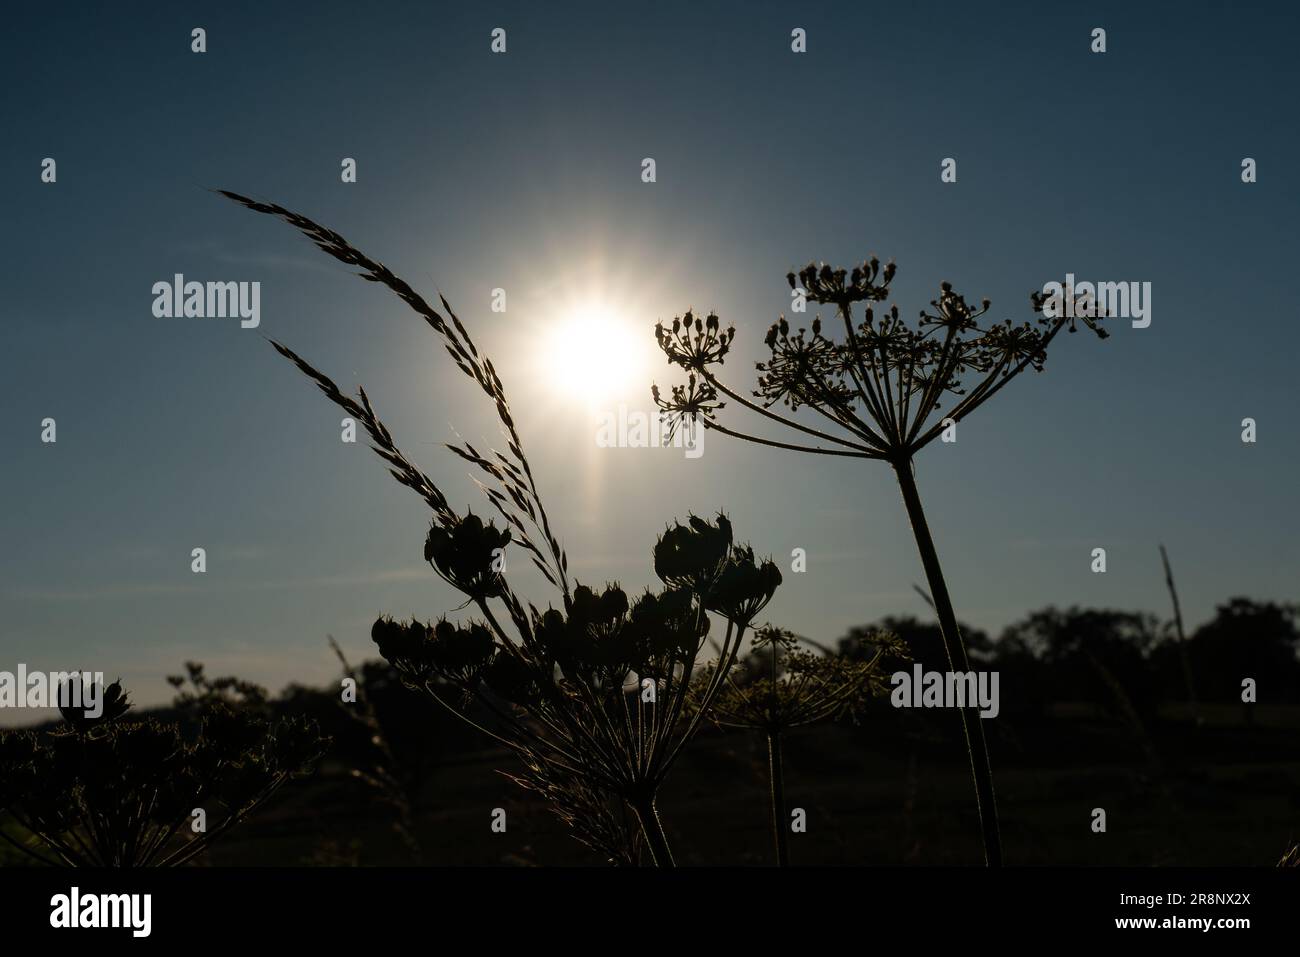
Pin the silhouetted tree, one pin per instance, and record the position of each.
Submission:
(1091, 655)
(1247, 639)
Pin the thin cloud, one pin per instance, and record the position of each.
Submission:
(127, 590)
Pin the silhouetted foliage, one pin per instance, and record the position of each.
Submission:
(1083, 651)
(124, 794)
(1247, 639)
(1117, 659)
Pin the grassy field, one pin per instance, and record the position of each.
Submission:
(893, 791)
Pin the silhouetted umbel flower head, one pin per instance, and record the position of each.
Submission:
(840, 287)
(781, 685)
(594, 635)
(885, 384)
(114, 702)
(468, 555)
(420, 651)
(693, 343)
(744, 588)
(668, 628)
(693, 555)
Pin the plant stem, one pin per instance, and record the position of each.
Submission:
(776, 775)
(1182, 640)
(776, 767)
(971, 723)
(653, 830)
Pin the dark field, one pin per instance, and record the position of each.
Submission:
(895, 790)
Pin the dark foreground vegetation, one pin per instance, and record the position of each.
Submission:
(1096, 712)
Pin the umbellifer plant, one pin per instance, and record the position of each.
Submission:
(593, 700)
(780, 686)
(591, 696)
(882, 386)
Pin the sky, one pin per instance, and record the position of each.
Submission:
(522, 171)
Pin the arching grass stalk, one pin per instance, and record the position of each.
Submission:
(880, 388)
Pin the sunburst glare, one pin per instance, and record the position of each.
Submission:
(592, 353)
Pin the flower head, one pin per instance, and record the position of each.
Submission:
(840, 287)
(693, 555)
(668, 625)
(687, 406)
(516, 679)
(113, 703)
(744, 588)
(467, 555)
(803, 369)
(693, 342)
(419, 651)
(592, 636)
(882, 382)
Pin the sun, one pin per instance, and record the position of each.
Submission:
(593, 353)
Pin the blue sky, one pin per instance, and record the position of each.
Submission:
(522, 171)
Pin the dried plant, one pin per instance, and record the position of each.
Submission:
(592, 696)
(882, 387)
(113, 793)
(780, 686)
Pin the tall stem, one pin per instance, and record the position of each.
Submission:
(776, 775)
(776, 767)
(653, 830)
(1182, 640)
(971, 722)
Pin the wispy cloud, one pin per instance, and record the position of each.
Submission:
(128, 590)
(223, 254)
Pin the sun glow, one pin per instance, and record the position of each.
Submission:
(594, 354)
